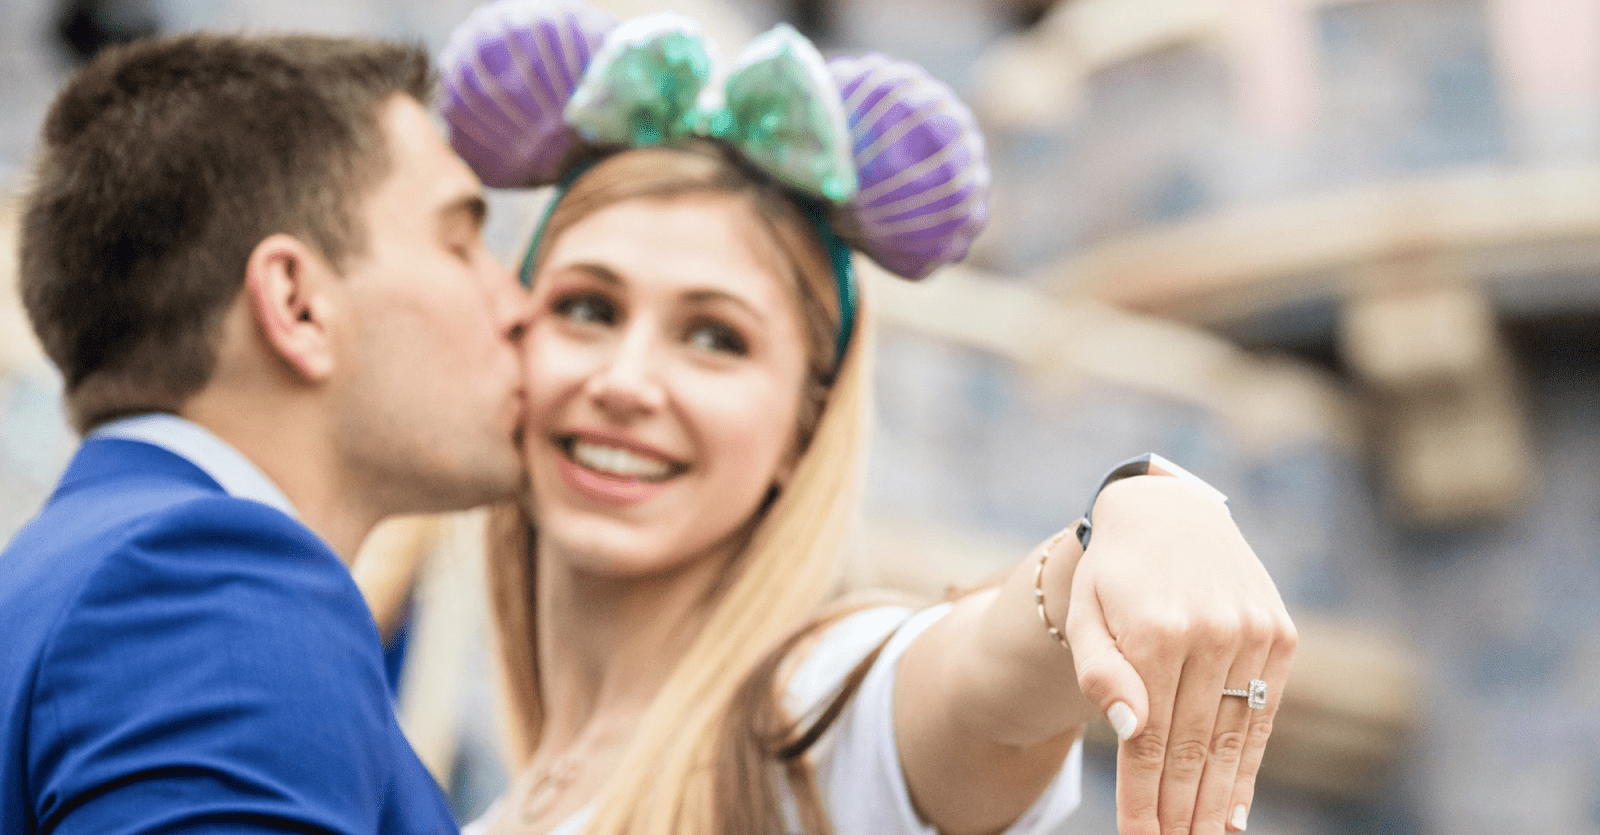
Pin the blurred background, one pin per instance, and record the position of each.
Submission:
(1339, 257)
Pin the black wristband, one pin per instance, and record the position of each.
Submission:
(1139, 465)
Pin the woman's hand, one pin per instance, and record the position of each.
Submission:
(1169, 606)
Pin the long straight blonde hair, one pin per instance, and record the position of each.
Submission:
(669, 778)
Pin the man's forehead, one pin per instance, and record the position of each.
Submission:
(421, 162)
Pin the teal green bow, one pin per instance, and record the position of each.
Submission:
(779, 106)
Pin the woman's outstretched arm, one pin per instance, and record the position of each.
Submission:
(1168, 607)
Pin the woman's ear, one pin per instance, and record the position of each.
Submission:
(785, 472)
(288, 285)
(780, 479)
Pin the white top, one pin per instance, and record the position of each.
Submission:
(238, 475)
(857, 760)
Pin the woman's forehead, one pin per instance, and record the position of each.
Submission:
(713, 239)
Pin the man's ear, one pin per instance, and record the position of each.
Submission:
(288, 285)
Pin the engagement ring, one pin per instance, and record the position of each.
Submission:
(1255, 697)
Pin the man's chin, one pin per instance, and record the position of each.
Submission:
(509, 482)
(490, 484)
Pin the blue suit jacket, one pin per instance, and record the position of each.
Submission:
(173, 659)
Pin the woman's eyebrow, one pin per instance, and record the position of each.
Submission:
(705, 295)
(597, 271)
(709, 296)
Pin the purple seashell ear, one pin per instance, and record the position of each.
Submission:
(919, 154)
(506, 75)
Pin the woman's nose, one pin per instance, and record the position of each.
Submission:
(628, 382)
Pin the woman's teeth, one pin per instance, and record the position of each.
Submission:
(619, 462)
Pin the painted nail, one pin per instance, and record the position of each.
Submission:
(1239, 818)
(1122, 720)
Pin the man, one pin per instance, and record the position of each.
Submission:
(259, 270)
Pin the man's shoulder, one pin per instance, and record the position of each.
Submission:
(153, 620)
(122, 544)
(122, 501)
(115, 489)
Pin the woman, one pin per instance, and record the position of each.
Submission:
(698, 377)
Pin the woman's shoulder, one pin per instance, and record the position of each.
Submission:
(822, 663)
(485, 823)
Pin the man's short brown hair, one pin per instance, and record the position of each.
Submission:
(163, 165)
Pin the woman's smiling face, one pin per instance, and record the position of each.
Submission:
(665, 360)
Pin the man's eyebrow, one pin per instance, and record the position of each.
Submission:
(473, 206)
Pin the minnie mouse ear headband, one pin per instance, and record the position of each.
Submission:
(891, 159)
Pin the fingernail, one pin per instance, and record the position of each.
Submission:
(1123, 721)
(1239, 818)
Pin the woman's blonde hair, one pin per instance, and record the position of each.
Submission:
(676, 774)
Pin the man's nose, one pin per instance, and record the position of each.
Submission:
(512, 305)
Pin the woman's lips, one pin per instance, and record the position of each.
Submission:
(608, 473)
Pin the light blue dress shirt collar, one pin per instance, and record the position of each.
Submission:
(189, 440)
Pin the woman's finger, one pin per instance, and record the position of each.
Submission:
(1215, 800)
(1259, 722)
(1194, 716)
(1105, 677)
(1142, 759)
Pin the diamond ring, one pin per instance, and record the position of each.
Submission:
(1255, 697)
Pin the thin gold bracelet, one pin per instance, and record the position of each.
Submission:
(1038, 584)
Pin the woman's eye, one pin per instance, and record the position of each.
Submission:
(715, 336)
(587, 309)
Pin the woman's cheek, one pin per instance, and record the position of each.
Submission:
(761, 421)
(554, 359)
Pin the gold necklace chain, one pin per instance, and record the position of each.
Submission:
(546, 786)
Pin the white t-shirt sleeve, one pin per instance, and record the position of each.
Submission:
(858, 761)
